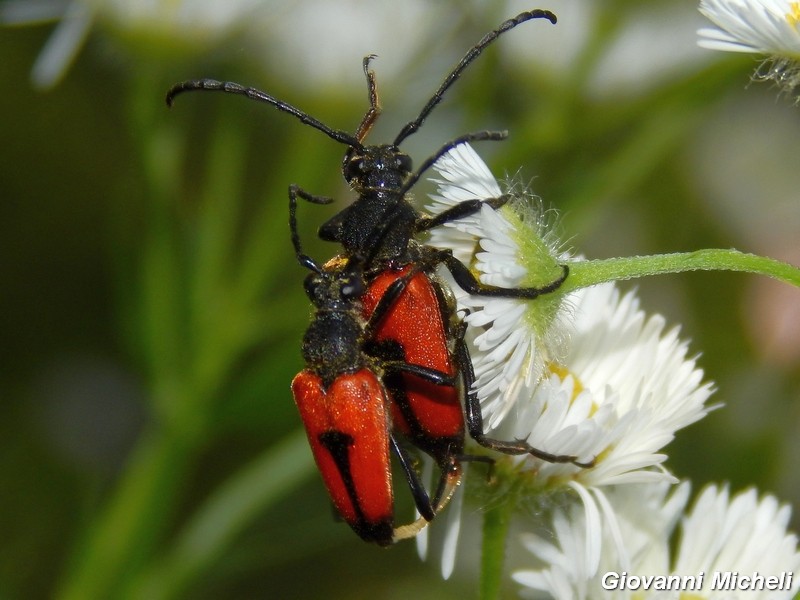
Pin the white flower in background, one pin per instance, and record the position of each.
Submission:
(770, 27)
(198, 22)
(759, 26)
(267, 30)
(588, 375)
(720, 534)
(65, 42)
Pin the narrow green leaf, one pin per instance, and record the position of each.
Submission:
(225, 514)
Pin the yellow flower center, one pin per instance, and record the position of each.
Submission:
(793, 16)
(562, 372)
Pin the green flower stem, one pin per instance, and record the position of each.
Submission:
(496, 522)
(592, 272)
(267, 479)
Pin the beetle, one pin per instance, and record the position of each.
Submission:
(345, 406)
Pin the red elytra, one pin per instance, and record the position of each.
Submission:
(348, 431)
(417, 321)
(344, 404)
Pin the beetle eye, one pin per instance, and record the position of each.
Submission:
(311, 284)
(353, 287)
(353, 167)
(404, 163)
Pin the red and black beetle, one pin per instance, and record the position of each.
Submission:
(348, 412)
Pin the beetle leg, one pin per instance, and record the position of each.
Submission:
(459, 211)
(304, 259)
(449, 481)
(295, 191)
(421, 498)
(477, 136)
(470, 284)
(374, 104)
(432, 375)
(474, 416)
(389, 299)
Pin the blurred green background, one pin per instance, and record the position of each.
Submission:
(151, 306)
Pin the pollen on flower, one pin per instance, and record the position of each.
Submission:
(562, 372)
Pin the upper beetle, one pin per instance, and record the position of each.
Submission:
(381, 175)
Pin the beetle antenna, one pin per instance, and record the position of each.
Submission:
(471, 55)
(231, 87)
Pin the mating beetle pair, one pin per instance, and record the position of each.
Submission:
(384, 352)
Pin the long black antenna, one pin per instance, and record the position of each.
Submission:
(473, 53)
(231, 87)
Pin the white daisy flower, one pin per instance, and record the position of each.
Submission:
(770, 27)
(588, 375)
(742, 535)
(622, 389)
(758, 26)
(720, 537)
